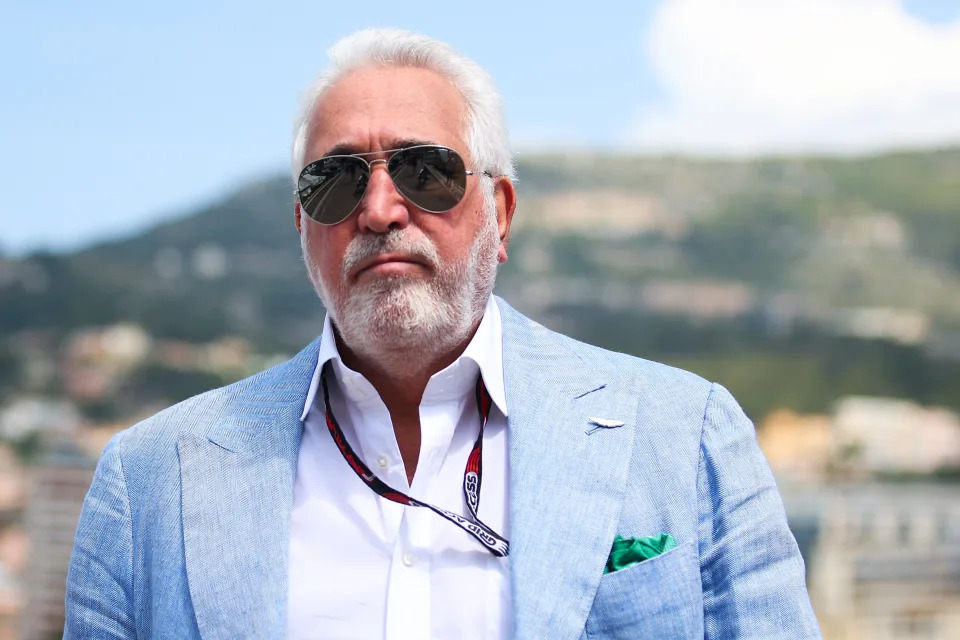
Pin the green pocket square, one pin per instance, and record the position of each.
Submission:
(630, 551)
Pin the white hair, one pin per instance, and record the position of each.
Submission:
(485, 129)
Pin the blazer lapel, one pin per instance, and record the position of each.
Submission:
(566, 487)
(237, 491)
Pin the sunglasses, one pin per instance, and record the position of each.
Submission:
(431, 177)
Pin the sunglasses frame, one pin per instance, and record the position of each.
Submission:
(388, 153)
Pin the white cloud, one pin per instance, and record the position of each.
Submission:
(745, 76)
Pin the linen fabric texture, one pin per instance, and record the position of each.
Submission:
(185, 530)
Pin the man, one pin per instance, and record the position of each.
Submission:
(603, 496)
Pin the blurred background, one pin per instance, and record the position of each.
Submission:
(766, 192)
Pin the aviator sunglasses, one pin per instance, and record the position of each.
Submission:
(430, 176)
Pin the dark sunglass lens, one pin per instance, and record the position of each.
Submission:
(432, 178)
(331, 188)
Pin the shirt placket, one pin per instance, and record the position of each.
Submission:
(409, 594)
(407, 582)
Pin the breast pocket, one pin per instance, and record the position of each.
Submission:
(658, 598)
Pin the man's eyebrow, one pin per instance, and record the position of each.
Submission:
(409, 142)
(346, 148)
(342, 149)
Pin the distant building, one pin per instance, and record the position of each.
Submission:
(228, 355)
(623, 214)
(12, 541)
(864, 437)
(10, 603)
(12, 483)
(866, 230)
(883, 561)
(26, 415)
(697, 299)
(178, 354)
(797, 446)
(906, 326)
(96, 360)
(210, 261)
(59, 483)
(14, 549)
(897, 436)
(120, 345)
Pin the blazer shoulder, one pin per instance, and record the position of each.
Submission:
(281, 384)
(649, 372)
(628, 369)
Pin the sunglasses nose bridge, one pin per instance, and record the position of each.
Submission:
(383, 205)
(371, 166)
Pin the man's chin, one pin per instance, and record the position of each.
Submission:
(393, 309)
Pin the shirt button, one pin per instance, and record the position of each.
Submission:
(408, 559)
(383, 462)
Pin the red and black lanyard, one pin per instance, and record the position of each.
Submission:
(472, 475)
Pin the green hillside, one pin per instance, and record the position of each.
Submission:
(821, 276)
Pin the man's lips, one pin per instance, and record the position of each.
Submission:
(390, 263)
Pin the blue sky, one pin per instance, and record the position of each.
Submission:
(116, 115)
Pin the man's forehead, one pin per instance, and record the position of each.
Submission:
(381, 108)
(349, 148)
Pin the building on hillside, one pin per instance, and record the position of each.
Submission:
(624, 214)
(59, 483)
(10, 603)
(865, 436)
(12, 482)
(697, 299)
(906, 326)
(25, 415)
(897, 436)
(12, 541)
(797, 446)
(121, 345)
(96, 360)
(883, 561)
(229, 355)
(866, 230)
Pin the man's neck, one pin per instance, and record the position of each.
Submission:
(400, 379)
(401, 376)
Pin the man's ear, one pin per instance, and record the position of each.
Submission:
(505, 197)
(297, 215)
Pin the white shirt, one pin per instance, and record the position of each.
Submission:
(362, 566)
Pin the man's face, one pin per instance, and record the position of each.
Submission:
(432, 270)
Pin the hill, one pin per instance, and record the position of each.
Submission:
(740, 269)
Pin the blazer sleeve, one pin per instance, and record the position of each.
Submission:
(750, 566)
(99, 598)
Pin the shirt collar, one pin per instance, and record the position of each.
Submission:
(485, 349)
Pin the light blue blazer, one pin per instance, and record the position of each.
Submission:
(185, 529)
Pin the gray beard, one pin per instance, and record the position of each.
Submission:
(400, 322)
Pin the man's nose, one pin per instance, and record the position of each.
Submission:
(383, 207)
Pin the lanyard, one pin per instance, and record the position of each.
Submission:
(472, 475)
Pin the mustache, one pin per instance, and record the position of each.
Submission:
(396, 241)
